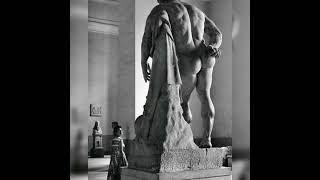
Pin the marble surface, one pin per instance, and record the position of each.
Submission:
(98, 168)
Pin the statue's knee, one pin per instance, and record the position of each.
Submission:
(211, 114)
(208, 62)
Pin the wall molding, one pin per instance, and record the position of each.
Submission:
(112, 2)
(103, 26)
(104, 21)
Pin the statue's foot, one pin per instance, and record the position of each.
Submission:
(205, 143)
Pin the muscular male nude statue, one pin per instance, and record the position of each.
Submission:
(195, 58)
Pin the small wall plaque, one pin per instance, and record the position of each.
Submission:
(95, 110)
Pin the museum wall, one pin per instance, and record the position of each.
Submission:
(143, 8)
(103, 69)
(111, 69)
(78, 87)
(126, 94)
(103, 78)
(78, 72)
(241, 77)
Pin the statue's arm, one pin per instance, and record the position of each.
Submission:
(215, 35)
(146, 41)
(145, 48)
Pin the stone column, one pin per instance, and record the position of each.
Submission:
(126, 71)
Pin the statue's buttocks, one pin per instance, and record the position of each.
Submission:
(188, 28)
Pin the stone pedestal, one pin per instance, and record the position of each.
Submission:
(97, 153)
(223, 173)
(177, 160)
(97, 150)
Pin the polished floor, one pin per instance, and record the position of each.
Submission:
(98, 168)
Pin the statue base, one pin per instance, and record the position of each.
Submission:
(150, 159)
(97, 153)
(222, 173)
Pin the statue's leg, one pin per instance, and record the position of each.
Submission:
(188, 85)
(204, 81)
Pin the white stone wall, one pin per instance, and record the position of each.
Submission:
(103, 78)
(103, 63)
(241, 76)
(126, 93)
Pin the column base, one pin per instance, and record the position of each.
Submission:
(141, 158)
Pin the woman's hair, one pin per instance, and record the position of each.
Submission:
(115, 130)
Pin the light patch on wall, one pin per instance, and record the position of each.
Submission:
(103, 28)
(143, 8)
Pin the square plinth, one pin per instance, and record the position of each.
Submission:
(180, 160)
(223, 173)
(97, 153)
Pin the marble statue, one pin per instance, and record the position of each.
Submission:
(189, 61)
(96, 128)
(97, 147)
(181, 61)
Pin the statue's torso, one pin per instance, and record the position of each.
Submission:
(187, 23)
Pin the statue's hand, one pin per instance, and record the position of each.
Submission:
(212, 51)
(209, 50)
(146, 70)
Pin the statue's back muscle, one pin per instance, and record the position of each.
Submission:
(187, 24)
(197, 23)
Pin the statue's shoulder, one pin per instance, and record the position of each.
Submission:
(156, 10)
(192, 9)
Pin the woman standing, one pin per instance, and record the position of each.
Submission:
(118, 158)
